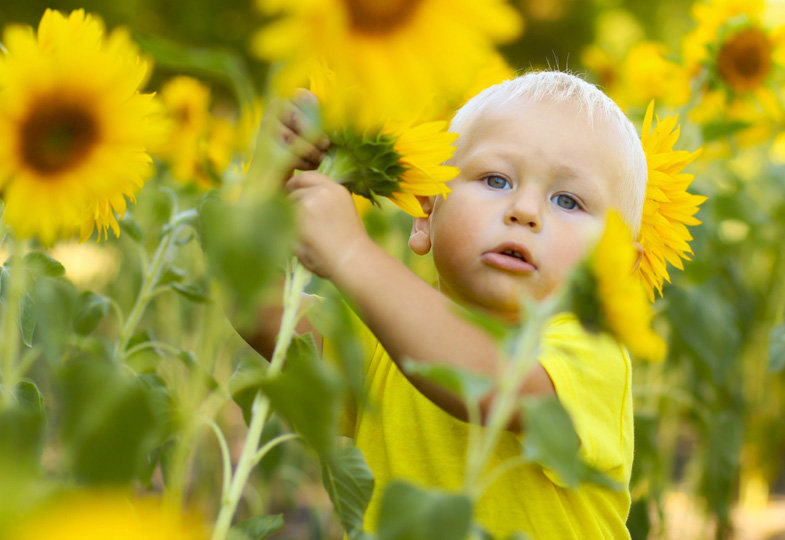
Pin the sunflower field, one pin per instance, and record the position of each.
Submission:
(143, 221)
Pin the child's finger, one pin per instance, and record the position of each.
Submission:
(303, 116)
(303, 150)
(305, 180)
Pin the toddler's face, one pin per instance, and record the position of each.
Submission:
(536, 180)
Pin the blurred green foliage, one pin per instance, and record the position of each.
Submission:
(708, 421)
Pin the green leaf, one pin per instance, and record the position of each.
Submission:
(349, 483)
(471, 387)
(22, 429)
(410, 513)
(107, 421)
(498, 330)
(93, 308)
(192, 292)
(27, 320)
(41, 264)
(332, 317)
(257, 528)
(246, 248)
(777, 349)
(307, 395)
(171, 274)
(551, 441)
(54, 303)
(723, 129)
(720, 461)
(129, 226)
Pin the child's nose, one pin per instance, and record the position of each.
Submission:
(524, 210)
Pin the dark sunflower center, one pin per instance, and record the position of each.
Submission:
(744, 60)
(57, 136)
(380, 16)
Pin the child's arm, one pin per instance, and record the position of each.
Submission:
(289, 140)
(410, 318)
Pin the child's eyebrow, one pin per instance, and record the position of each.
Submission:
(588, 187)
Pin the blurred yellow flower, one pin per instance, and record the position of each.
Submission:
(104, 515)
(735, 57)
(202, 144)
(668, 209)
(643, 74)
(607, 296)
(711, 15)
(391, 55)
(75, 129)
(627, 312)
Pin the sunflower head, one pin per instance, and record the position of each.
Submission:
(606, 295)
(744, 59)
(75, 127)
(100, 514)
(394, 55)
(668, 208)
(398, 163)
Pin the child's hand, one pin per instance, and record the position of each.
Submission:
(291, 135)
(330, 228)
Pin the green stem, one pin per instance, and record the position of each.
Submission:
(174, 351)
(9, 327)
(272, 444)
(150, 280)
(507, 398)
(294, 286)
(225, 457)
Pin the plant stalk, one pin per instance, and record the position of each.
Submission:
(294, 286)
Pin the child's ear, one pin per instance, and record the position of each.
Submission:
(638, 255)
(420, 238)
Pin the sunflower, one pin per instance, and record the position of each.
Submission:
(735, 58)
(394, 55)
(398, 163)
(202, 144)
(374, 157)
(606, 295)
(668, 208)
(97, 515)
(75, 128)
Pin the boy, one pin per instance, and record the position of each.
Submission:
(542, 158)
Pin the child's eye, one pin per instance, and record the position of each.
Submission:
(565, 201)
(496, 182)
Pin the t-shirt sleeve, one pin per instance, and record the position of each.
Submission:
(592, 377)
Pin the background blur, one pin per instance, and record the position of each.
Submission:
(710, 421)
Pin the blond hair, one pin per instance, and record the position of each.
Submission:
(560, 87)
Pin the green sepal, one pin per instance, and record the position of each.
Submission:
(367, 165)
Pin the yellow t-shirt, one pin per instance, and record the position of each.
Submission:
(403, 435)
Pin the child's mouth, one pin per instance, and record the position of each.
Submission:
(512, 257)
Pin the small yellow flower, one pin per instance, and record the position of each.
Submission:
(103, 515)
(627, 311)
(643, 74)
(668, 208)
(76, 131)
(607, 296)
(202, 144)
